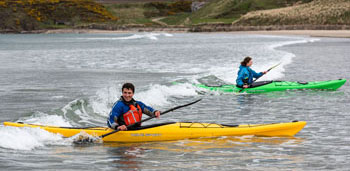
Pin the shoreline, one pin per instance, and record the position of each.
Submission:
(311, 33)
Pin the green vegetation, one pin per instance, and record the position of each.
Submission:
(179, 12)
(233, 9)
(196, 21)
(18, 15)
(129, 13)
(317, 12)
(177, 19)
(143, 13)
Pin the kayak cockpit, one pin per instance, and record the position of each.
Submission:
(260, 83)
(151, 126)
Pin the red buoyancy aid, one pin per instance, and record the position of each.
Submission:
(133, 115)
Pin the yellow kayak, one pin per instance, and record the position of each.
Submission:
(176, 131)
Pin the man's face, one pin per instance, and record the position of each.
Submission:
(127, 94)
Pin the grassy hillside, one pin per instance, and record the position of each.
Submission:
(227, 11)
(18, 15)
(317, 12)
(143, 12)
(129, 13)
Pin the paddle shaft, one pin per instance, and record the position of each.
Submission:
(267, 71)
(261, 76)
(144, 120)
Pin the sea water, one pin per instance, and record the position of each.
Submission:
(74, 79)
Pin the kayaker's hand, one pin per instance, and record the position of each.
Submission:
(265, 72)
(157, 114)
(122, 128)
(245, 86)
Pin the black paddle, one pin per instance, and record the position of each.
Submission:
(262, 75)
(88, 140)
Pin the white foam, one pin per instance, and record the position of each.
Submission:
(101, 103)
(280, 44)
(286, 59)
(28, 138)
(168, 34)
(79, 108)
(154, 95)
(45, 119)
(152, 36)
(229, 74)
(159, 94)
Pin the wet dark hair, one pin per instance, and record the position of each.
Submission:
(246, 61)
(129, 86)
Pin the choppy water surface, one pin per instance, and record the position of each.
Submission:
(73, 80)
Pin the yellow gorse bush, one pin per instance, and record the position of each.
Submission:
(65, 10)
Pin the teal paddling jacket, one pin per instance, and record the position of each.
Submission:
(246, 75)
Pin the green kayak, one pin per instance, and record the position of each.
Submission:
(269, 86)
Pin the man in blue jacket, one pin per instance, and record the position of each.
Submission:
(127, 111)
(246, 74)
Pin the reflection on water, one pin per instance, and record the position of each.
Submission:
(209, 152)
(127, 157)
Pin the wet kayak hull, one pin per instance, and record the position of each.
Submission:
(278, 86)
(177, 131)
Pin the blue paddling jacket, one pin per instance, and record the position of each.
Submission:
(120, 107)
(246, 75)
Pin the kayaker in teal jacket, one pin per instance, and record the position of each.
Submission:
(246, 74)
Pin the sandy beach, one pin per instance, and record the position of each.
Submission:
(312, 33)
